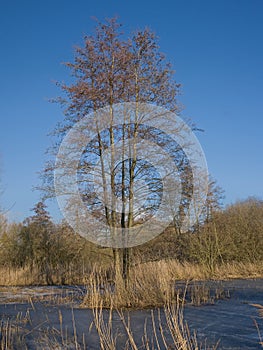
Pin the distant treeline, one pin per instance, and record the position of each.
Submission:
(53, 253)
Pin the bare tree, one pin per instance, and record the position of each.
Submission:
(109, 70)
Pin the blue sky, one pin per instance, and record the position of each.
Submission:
(215, 47)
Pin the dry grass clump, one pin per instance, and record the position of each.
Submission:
(181, 270)
(148, 286)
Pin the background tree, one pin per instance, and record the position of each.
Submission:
(9, 244)
(36, 242)
(214, 200)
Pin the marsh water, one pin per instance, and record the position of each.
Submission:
(56, 316)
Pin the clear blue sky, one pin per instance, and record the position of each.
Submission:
(216, 47)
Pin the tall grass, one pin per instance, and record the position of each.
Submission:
(149, 285)
(157, 275)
